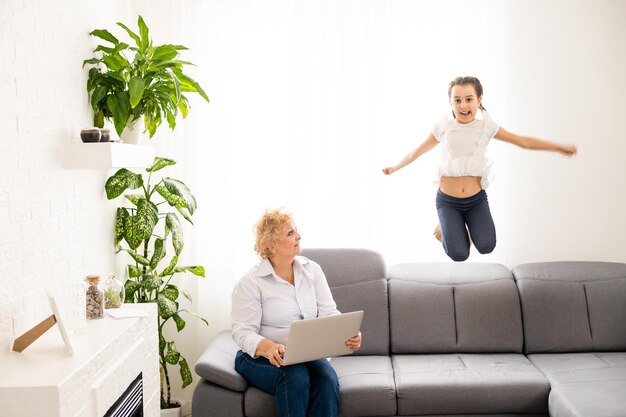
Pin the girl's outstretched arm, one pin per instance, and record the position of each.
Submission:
(528, 142)
(426, 146)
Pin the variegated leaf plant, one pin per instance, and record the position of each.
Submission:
(128, 81)
(146, 232)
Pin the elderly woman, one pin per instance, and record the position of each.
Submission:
(282, 288)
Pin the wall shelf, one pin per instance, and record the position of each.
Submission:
(108, 155)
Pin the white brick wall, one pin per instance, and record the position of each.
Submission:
(54, 222)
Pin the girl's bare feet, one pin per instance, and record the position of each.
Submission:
(437, 233)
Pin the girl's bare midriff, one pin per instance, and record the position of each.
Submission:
(460, 187)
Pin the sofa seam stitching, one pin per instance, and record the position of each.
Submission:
(588, 316)
(449, 283)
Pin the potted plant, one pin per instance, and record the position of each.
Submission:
(148, 231)
(126, 83)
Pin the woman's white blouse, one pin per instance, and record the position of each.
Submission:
(464, 148)
(264, 305)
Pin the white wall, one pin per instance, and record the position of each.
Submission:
(565, 63)
(54, 225)
(309, 100)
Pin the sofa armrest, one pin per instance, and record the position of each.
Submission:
(217, 363)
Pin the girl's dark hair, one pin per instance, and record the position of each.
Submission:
(475, 82)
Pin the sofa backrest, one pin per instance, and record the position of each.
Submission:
(453, 307)
(357, 279)
(573, 306)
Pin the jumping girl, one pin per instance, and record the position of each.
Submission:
(464, 172)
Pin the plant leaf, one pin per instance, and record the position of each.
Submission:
(172, 224)
(115, 62)
(131, 288)
(197, 315)
(177, 187)
(173, 199)
(98, 94)
(160, 163)
(190, 85)
(133, 271)
(134, 198)
(164, 53)
(185, 373)
(138, 258)
(180, 323)
(91, 61)
(187, 295)
(162, 342)
(171, 355)
(119, 106)
(140, 227)
(167, 307)
(148, 213)
(104, 34)
(122, 215)
(183, 105)
(120, 181)
(133, 233)
(159, 253)
(130, 33)
(136, 86)
(196, 270)
(171, 292)
(143, 35)
(151, 282)
(175, 81)
(170, 269)
(98, 119)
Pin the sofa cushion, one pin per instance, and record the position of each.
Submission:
(357, 279)
(366, 384)
(585, 384)
(217, 363)
(210, 400)
(446, 307)
(571, 306)
(468, 384)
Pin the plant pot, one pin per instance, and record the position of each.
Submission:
(172, 412)
(133, 132)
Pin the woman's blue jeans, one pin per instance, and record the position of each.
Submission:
(309, 389)
(457, 216)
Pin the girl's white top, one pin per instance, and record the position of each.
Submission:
(464, 148)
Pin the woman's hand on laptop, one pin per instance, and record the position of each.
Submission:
(275, 354)
(354, 343)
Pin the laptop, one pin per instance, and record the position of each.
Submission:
(321, 337)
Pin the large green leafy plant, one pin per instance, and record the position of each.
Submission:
(148, 232)
(127, 82)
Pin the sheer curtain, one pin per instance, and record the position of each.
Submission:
(309, 101)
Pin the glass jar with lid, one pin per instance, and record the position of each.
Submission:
(94, 297)
(114, 292)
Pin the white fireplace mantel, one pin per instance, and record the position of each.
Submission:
(45, 380)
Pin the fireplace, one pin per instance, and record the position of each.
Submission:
(114, 371)
(130, 404)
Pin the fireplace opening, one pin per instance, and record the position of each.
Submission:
(130, 403)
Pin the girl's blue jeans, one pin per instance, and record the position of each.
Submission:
(457, 216)
(309, 389)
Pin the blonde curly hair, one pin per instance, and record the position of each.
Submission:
(268, 228)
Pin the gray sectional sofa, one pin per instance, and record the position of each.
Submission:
(459, 339)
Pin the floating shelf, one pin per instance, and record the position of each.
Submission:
(108, 155)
